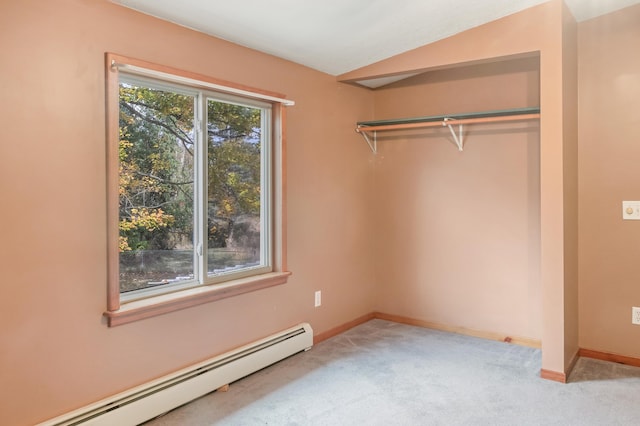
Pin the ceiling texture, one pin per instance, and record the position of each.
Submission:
(337, 36)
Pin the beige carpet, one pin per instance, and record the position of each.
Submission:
(384, 373)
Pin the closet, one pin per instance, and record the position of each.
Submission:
(458, 230)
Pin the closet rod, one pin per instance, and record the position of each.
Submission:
(444, 122)
(458, 116)
(515, 114)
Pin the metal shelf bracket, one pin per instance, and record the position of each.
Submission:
(373, 144)
(457, 138)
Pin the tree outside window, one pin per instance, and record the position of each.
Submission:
(193, 185)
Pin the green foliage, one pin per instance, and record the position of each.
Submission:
(139, 225)
(233, 166)
(156, 153)
(156, 168)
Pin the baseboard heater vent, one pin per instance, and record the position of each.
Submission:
(150, 400)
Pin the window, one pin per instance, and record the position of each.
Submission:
(194, 182)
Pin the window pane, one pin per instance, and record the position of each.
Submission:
(156, 191)
(235, 221)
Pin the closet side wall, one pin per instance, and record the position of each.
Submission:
(570, 182)
(459, 232)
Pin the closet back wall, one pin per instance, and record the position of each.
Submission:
(459, 232)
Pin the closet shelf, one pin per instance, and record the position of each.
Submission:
(515, 114)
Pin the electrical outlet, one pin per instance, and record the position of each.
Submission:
(318, 299)
(631, 210)
(635, 315)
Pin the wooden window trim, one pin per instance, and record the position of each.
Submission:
(118, 313)
(182, 299)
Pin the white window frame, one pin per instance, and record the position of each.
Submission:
(144, 303)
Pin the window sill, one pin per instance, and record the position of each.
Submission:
(158, 305)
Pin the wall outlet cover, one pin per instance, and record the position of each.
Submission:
(631, 210)
(635, 315)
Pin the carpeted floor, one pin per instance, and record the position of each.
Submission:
(384, 373)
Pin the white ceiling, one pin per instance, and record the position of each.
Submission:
(337, 36)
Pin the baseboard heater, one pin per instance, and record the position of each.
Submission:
(152, 399)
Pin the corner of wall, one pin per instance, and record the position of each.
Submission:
(570, 181)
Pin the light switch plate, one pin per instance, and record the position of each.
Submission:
(631, 210)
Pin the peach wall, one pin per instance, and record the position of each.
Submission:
(609, 131)
(458, 233)
(570, 179)
(552, 212)
(57, 353)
